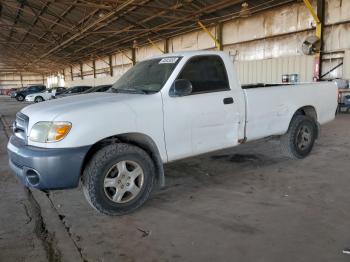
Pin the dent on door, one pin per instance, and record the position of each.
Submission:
(214, 126)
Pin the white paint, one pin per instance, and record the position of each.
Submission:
(184, 126)
(45, 95)
(269, 110)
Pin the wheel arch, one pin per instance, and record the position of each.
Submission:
(20, 94)
(138, 139)
(39, 96)
(309, 111)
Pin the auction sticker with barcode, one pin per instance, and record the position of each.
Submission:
(169, 60)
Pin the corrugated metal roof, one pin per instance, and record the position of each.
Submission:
(49, 34)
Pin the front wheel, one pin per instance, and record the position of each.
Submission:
(38, 99)
(118, 179)
(298, 142)
(20, 98)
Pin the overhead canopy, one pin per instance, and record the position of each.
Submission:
(45, 35)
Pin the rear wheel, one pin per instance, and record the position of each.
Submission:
(298, 142)
(118, 179)
(38, 99)
(20, 98)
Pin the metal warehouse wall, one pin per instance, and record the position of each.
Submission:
(271, 70)
(346, 72)
(10, 80)
(265, 45)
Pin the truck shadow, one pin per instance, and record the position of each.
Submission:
(232, 169)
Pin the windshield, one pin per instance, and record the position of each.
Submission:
(102, 88)
(146, 77)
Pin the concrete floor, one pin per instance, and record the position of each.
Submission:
(242, 204)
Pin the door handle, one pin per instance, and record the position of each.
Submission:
(228, 100)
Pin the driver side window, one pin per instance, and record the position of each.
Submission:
(206, 73)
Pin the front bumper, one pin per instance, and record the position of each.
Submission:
(46, 168)
(29, 99)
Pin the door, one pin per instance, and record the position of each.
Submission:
(207, 119)
(32, 90)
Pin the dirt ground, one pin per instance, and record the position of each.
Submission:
(243, 204)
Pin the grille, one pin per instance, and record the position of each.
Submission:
(20, 126)
(17, 164)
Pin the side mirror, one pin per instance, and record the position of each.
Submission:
(181, 87)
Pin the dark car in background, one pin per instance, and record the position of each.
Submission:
(75, 90)
(13, 91)
(21, 94)
(58, 90)
(101, 88)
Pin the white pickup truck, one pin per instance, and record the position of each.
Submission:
(163, 109)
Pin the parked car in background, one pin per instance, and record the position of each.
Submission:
(47, 95)
(13, 92)
(21, 94)
(101, 88)
(75, 90)
(58, 90)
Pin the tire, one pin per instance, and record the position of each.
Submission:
(20, 98)
(298, 142)
(38, 99)
(103, 178)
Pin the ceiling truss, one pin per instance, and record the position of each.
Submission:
(48, 35)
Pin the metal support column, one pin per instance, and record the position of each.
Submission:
(321, 16)
(71, 73)
(81, 71)
(110, 65)
(319, 20)
(133, 55)
(219, 36)
(94, 68)
(21, 76)
(166, 45)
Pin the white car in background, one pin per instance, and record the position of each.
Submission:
(47, 95)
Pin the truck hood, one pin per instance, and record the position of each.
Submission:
(96, 116)
(50, 110)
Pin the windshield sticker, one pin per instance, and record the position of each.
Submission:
(169, 60)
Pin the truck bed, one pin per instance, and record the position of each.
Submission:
(269, 110)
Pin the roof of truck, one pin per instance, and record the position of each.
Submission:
(187, 54)
(192, 53)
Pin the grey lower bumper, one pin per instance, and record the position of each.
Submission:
(45, 168)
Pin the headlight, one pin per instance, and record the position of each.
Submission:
(46, 132)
